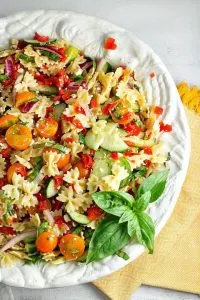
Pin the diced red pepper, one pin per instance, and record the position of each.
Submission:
(109, 107)
(94, 212)
(6, 230)
(132, 129)
(67, 118)
(41, 38)
(93, 103)
(48, 111)
(78, 124)
(114, 155)
(92, 152)
(87, 161)
(147, 150)
(147, 163)
(56, 205)
(59, 220)
(79, 110)
(165, 127)
(109, 44)
(158, 110)
(152, 75)
(42, 205)
(3, 181)
(129, 143)
(129, 153)
(58, 181)
(125, 117)
(69, 140)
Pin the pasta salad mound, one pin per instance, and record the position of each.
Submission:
(80, 155)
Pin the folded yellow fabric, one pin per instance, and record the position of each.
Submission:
(175, 263)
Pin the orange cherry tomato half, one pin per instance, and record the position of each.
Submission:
(7, 121)
(63, 161)
(16, 168)
(19, 137)
(72, 246)
(47, 128)
(122, 112)
(23, 97)
(83, 172)
(46, 242)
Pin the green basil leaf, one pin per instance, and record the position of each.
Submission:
(155, 183)
(124, 163)
(147, 230)
(122, 254)
(141, 171)
(134, 227)
(108, 238)
(126, 216)
(114, 203)
(143, 201)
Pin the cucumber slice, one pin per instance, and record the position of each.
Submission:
(50, 190)
(101, 154)
(58, 110)
(102, 168)
(93, 141)
(46, 90)
(37, 43)
(114, 144)
(79, 218)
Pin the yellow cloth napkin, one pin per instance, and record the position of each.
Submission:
(175, 263)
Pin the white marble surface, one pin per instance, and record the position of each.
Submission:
(172, 29)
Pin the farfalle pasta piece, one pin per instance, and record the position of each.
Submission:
(27, 83)
(72, 177)
(42, 105)
(50, 159)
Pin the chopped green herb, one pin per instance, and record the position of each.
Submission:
(78, 77)
(50, 55)
(122, 254)
(81, 138)
(25, 57)
(3, 77)
(136, 87)
(43, 227)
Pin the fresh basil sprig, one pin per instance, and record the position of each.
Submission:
(126, 218)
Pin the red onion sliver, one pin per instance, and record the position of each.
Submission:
(86, 65)
(49, 217)
(24, 108)
(9, 66)
(18, 238)
(46, 48)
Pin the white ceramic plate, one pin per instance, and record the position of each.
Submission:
(88, 33)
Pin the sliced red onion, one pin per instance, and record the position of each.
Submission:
(49, 217)
(18, 238)
(18, 80)
(46, 48)
(86, 65)
(26, 107)
(9, 66)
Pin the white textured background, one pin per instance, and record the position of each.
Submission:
(172, 29)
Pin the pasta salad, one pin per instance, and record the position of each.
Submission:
(80, 155)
